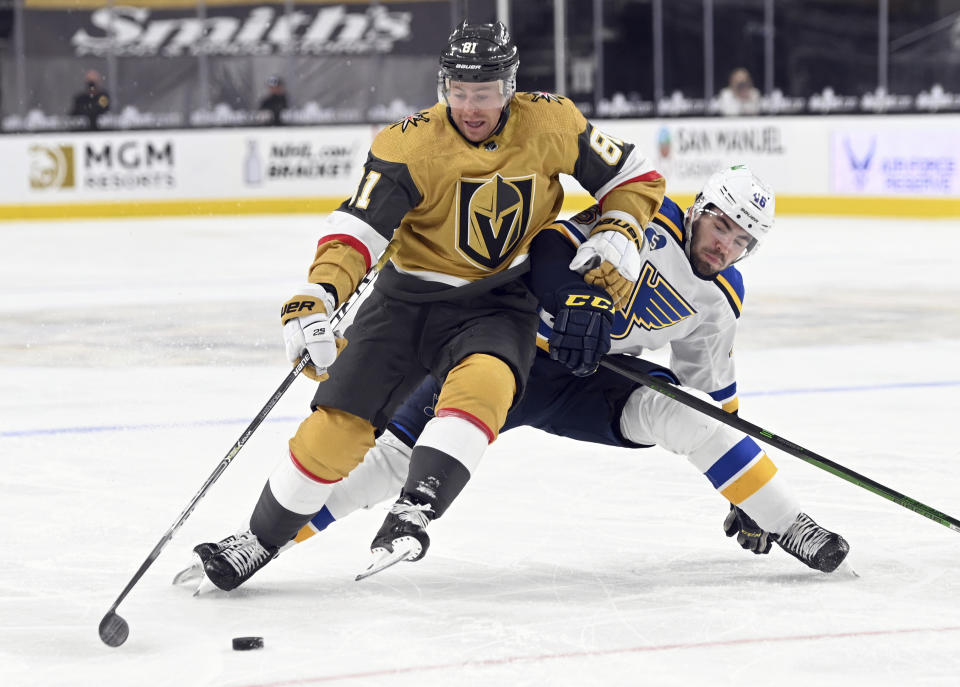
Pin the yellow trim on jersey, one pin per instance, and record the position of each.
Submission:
(732, 292)
(731, 406)
(750, 481)
(566, 233)
(305, 532)
(673, 227)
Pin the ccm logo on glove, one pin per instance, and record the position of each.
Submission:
(578, 300)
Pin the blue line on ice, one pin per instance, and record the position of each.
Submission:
(244, 421)
(136, 427)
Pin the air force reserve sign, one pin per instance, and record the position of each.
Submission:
(493, 215)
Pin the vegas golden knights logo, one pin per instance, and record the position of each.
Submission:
(492, 217)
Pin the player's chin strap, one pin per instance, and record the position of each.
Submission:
(766, 436)
(113, 628)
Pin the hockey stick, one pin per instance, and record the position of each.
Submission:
(779, 442)
(113, 629)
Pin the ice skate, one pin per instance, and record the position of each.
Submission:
(813, 545)
(193, 573)
(233, 560)
(402, 537)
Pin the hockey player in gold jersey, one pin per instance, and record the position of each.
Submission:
(459, 191)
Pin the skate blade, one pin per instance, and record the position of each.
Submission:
(403, 549)
(204, 586)
(846, 569)
(194, 575)
(190, 574)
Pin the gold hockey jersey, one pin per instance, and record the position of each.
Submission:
(461, 215)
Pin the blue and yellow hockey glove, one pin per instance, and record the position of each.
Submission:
(581, 328)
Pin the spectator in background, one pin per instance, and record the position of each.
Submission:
(276, 100)
(93, 101)
(739, 97)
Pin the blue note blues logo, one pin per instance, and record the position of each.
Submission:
(654, 304)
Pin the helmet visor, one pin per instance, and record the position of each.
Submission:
(741, 241)
(474, 95)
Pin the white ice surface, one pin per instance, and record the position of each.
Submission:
(133, 354)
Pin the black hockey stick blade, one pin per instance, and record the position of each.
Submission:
(114, 630)
(768, 437)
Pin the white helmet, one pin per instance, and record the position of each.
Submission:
(741, 196)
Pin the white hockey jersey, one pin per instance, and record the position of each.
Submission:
(671, 305)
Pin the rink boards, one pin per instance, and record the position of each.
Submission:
(829, 165)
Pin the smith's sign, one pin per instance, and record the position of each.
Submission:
(134, 32)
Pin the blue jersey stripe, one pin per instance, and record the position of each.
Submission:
(323, 519)
(404, 430)
(724, 393)
(544, 329)
(573, 229)
(732, 462)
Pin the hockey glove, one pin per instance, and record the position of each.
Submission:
(581, 328)
(749, 535)
(610, 258)
(306, 327)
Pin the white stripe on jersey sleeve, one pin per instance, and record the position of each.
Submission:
(338, 222)
(636, 165)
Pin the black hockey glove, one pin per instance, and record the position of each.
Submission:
(581, 328)
(749, 534)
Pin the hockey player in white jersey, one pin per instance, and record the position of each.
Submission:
(689, 297)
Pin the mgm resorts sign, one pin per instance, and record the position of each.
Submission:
(241, 31)
(107, 165)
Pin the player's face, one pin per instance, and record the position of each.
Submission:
(475, 108)
(717, 242)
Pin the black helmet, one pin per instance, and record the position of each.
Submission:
(480, 52)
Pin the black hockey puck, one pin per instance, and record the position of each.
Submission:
(247, 643)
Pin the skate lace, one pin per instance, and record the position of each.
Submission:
(415, 513)
(228, 541)
(245, 553)
(805, 537)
